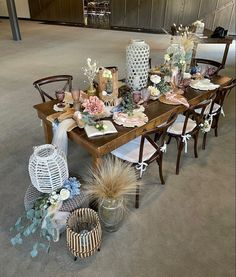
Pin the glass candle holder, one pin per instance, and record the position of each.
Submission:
(76, 99)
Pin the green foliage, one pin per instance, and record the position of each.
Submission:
(164, 87)
(127, 103)
(31, 222)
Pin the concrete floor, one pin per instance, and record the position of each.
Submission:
(185, 228)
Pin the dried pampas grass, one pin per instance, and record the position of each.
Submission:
(113, 179)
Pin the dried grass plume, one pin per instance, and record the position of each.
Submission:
(113, 179)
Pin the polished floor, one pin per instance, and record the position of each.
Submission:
(183, 229)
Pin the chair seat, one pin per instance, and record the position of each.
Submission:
(130, 151)
(215, 109)
(177, 127)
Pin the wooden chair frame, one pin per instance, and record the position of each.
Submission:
(159, 133)
(218, 65)
(52, 79)
(198, 118)
(221, 94)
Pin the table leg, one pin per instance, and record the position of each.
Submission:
(47, 132)
(225, 54)
(194, 52)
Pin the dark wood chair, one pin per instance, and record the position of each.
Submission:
(211, 67)
(216, 109)
(62, 82)
(187, 125)
(146, 149)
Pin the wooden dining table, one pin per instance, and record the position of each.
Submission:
(156, 112)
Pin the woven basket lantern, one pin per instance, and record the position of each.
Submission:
(48, 168)
(83, 232)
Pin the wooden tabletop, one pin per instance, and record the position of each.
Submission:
(156, 111)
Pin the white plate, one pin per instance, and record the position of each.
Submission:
(204, 84)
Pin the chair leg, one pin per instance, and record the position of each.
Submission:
(180, 148)
(195, 145)
(137, 198)
(204, 141)
(216, 125)
(159, 161)
(169, 139)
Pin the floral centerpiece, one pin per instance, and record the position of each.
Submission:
(94, 109)
(91, 71)
(160, 85)
(44, 217)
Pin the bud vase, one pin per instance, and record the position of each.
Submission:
(111, 214)
(91, 91)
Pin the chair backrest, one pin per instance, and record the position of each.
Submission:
(199, 116)
(211, 67)
(159, 135)
(65, 82)
(222, 93)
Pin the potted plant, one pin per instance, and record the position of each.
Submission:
(109, 185)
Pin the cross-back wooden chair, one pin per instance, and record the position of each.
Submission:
(211, 67)
(216, 109)
(63, 82)
(146, 149)
(187, 125)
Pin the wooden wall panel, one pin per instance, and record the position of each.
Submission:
(174, 12)
(222, 17)
(207, 12)
(190, 12)
(222, 3)
(118, 11)
(57, 10)
(158, 14)
(144, 13)
(131, 16)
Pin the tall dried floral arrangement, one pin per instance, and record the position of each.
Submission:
(112, 180)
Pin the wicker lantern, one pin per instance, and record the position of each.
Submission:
(83, 232)
(48, 168)
(137, 64)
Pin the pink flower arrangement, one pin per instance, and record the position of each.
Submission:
(93, 105)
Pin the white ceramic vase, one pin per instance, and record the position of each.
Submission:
(137, 64)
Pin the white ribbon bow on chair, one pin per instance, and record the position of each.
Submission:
(222, 111)
(185, 139)
(141, 167)
(164, 148)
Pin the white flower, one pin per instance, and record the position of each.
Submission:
(64, 194)
(154, 91)
(167, 57)
(167, 79)
(107, 74)
(155, 79)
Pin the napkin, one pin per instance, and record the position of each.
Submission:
(177, 98)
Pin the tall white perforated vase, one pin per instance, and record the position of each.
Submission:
(137, 64)
(48, 168)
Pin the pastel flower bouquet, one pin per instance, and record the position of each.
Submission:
(94, 109)
(44, 217)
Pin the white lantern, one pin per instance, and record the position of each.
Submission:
(137, 64)
(48, 168)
